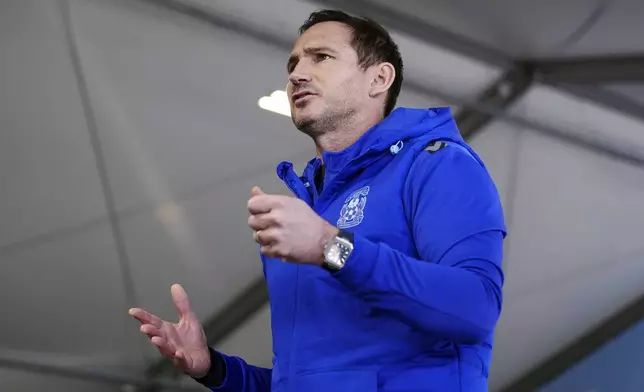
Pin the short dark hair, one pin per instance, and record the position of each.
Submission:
(372, 43)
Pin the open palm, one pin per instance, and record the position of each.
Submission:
(184, 342)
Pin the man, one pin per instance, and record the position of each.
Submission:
(384, 269)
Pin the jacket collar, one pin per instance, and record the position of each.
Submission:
(387, 137)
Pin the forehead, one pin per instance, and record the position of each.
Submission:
(333, 35)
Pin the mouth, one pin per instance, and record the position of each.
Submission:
(301, 96)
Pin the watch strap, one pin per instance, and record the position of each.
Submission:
(347, 235)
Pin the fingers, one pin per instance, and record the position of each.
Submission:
(181, 300)
(263, 221)
(260, 204)
(145, 318)
(150, 330)
(153, 326)
(263, 203)
(266, 237)
(271, 246)
(164, 346)
(256, 191)
(158, 339)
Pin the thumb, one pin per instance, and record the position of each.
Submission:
(256, 191)
(181, 300)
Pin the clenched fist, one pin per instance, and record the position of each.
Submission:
(288, 229)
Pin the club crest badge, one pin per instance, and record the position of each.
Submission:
(352, 211)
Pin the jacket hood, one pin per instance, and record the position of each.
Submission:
(402, 125)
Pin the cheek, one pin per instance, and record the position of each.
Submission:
(337, 83)
(350, 90)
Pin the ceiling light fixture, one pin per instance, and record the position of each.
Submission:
(277, 102)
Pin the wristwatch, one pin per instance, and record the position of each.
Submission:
(337, 250)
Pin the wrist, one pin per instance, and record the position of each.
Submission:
(215, 374)
(205, 364)
(329, 233)
(201, 374)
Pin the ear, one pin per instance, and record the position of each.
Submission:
(383, 76)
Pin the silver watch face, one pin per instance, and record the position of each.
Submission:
(334, 255)
(337, 253)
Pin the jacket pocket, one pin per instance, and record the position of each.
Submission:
(336, 381)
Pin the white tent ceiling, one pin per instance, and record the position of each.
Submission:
(158, 111)
(516, 28)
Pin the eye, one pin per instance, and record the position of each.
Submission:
(290, 67)
(321, 57)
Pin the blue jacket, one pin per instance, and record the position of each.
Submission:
(414, 308)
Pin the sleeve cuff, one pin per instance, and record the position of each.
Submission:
(226, 373)
(360, 264)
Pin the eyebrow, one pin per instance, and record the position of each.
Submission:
(316, 49)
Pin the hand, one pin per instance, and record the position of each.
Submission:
(184, 343)
(288, 229)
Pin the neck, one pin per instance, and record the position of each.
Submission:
(345, 134)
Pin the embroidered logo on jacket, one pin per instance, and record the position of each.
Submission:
(352, 211)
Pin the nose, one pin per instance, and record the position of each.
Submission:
(297, 77)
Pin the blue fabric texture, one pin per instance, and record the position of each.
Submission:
(415, 307)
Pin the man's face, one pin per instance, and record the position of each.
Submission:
(326, 83)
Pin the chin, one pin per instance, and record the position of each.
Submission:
(303, 119)
(303, 123)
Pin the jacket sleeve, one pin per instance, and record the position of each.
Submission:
(233, 374)
(453, 288)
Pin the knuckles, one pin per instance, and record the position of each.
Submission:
(275, 217)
